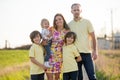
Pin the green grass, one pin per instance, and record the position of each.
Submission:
(19, 75)
(108, 65)
(13, 57)
(14, 65)
(101, 75)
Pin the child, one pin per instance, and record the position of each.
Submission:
(47, 36)
(36, 54)
(70, 52)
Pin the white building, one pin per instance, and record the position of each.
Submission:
(104, 43)
(117, 40)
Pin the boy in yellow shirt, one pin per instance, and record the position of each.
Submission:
(36, 54)
(70, 52)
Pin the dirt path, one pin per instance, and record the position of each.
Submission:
(85, 77)
(14, 68)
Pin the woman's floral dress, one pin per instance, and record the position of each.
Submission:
(56, 47)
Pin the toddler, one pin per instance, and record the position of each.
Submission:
(47, 36)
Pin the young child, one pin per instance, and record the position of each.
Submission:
(36, 54)
(47, 36)
(70, 57)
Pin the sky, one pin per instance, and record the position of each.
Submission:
(18, 18)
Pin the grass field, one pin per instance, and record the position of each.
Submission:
(108, 65)
(12, 57)
(14, 65)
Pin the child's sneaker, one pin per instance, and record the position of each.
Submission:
(52, 63)
(47, 64)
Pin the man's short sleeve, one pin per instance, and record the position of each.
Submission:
(90, 27)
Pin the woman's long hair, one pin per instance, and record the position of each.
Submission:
(65, 25)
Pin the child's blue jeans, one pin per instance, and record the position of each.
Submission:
(37, 77)
(70, 75)
(48, 50)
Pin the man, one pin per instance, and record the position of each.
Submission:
(85, 39)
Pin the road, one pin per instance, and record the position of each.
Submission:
(84, 74)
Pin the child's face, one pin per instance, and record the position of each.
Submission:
(69, 40)
(45, 24)
(37, 39)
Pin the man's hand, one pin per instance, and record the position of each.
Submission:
(94, 55)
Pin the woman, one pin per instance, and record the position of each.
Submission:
(59, 29)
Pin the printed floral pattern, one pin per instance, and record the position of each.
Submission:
(56, 47)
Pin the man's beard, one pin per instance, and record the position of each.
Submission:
(76, 15)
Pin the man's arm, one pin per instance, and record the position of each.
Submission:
(94, 52)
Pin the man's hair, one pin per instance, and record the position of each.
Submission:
(75, 5)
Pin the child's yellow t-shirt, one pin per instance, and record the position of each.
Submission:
(37, 52)
(69, 62)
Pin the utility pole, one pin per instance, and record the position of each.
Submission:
(112, 29)
(5, 44)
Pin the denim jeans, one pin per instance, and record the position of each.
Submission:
(89, 66)
(70, 75)
(48, 50)
(37, 77)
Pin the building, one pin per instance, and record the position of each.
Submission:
(103, 43)
(107, 43)
(116, 40)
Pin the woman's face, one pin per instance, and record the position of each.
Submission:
(59, 21)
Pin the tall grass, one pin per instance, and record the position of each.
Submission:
(19, 75)
(14, 65)
(108, 65)
(12, 57)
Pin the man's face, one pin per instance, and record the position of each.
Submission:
(76, 11)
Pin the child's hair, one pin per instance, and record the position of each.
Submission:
(43, 21)
(34, 34)
(70, 34)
